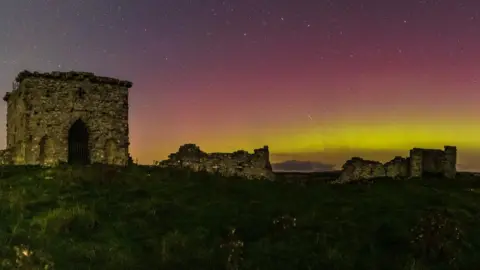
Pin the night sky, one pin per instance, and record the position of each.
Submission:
(315, 80)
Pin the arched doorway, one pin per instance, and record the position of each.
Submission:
(78, 152)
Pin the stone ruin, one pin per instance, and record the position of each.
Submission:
(74, 117)
(239, 163)
(420, 162)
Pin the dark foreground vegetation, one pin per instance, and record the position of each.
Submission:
(147, 218)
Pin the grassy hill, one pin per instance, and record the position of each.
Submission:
(150, 218)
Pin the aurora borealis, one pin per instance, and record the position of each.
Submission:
(315, 80)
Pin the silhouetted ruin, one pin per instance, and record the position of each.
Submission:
(420, 162)
(74, 117)
(80, 118)
(239, 163)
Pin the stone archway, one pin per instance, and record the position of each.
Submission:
(110, 151)
(78, 137)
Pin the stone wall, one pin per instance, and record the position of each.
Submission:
(239, 163)
(450, 165)
(416, 162)
(6, 156)
(357, 169)
(433, 161)
(43, 107)
(420, 161)
(397, 168)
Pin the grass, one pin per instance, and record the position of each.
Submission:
(151, 218)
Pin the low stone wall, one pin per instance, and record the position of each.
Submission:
(397, 168)
(239, 163)
(358, 168)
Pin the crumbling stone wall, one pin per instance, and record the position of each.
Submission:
(42, 108)
(433, 161)
(239, 163)
(6, 157)
(416, 162)
(397, 167)
(358, 168)
(450, 162)
(420, 161)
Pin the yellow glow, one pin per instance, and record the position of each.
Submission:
(378, 137)
(338, 137)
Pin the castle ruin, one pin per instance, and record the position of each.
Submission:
(239, 163)
(419, 163)
(74, 117)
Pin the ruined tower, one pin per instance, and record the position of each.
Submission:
(434, 161)
(74, 117)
